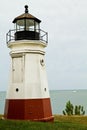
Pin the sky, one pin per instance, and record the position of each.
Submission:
(66, 53)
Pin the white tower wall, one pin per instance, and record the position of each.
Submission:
(28, 78)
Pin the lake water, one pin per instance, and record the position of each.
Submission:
(58, 99)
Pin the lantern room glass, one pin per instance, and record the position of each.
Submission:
(27, 25)
(20, 25)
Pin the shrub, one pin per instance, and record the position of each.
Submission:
(73, 110)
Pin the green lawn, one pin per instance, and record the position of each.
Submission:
(60, 123)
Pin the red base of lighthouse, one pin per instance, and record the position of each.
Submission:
(28, 109)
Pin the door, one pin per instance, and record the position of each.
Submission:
(17, 69)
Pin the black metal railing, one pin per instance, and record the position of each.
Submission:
(10, 36)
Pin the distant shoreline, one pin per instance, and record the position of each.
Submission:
(57, 90)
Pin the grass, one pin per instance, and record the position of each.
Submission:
(60, 123)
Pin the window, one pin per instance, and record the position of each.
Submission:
(29, 25)
(36, 26)
(20, 25)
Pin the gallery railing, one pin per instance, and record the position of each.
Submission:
(10, 36)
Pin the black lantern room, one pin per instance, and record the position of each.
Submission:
(27, 27)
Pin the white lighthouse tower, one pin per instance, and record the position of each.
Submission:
(28, 95)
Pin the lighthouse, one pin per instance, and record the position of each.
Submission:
(28, 94)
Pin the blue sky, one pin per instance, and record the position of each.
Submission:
(66, 54)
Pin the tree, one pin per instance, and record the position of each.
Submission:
(71, 110)
(79, 110)
(68, 109)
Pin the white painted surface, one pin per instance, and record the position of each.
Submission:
(28, 78)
